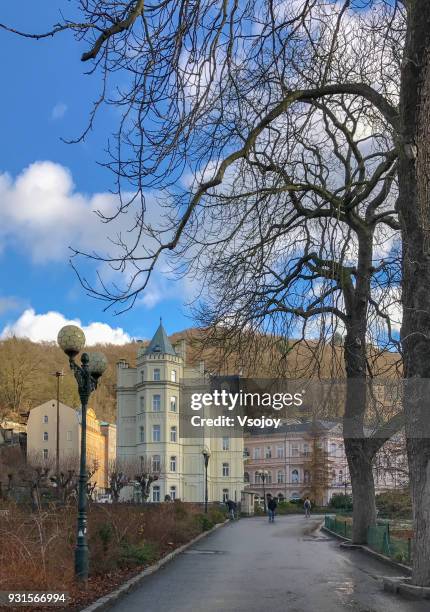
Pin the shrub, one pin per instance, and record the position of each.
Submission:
(132, 554)
(394, 504)
(204, 521)
(105, 533)
(340, 501)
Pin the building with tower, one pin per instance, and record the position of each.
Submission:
(149, 429)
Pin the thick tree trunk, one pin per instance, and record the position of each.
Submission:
(363, 489)
(356, 446)
(414, 209)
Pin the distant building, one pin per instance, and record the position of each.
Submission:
(148, 418)
(42, 439)
(288, 456)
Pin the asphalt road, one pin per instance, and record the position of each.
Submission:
(251, 565)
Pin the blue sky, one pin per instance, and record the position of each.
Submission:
(47, 188)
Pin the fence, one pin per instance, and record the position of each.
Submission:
(379, 538)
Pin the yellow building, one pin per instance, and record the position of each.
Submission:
(42, 439)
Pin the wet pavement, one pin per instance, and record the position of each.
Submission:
(254, 566)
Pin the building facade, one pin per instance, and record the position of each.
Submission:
(42, 439)
(306, 459)
(149, 433)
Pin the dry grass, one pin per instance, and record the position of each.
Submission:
(37, 551)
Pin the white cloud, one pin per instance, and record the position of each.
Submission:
(45, 327)
(43, 215)
(58, 111)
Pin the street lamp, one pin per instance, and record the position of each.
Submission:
(72, 340)
(206, 454)
(263, 474)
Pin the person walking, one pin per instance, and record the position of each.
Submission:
(231, 505)
(307, 506)
(271, 507)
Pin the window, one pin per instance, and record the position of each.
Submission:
(306, 449)
(225, 495)
(333, 477)
(157, 374)
(332, 448)
(245, 452)
(45, 435)
(307, 476)
(340, 476)
(141, 433)
(257, 478)
(45, 453)
(226, 469)
(280, 477)
(173, 403)
(156, 463)
(279, 452)
(295, 476)
(268, 452)
(256, 454)
(155, 493)
(246, 477)
(142, 376)
(294, 449)
(173, 432)
(173, 463)
(45, 418)
(142, 403)
(156, 433)
(226, 444)
(269, 477)
(156, 403)
(69, 436)
(173, 375)
(173, 493)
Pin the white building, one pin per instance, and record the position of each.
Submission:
(148, 429)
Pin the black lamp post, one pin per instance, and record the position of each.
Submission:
(206, 454)
(263, 474)
(72, 340)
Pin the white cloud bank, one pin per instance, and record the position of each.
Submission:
(42, 214)
(45, 327)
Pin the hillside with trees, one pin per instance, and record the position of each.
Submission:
(27, 369)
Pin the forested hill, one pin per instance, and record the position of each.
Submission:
(27, 369)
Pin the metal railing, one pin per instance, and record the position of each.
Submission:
(379, 538)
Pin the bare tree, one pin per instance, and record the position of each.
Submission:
(118, 478)
(145, 474)
(198, 101)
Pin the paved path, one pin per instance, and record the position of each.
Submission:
(254, 566)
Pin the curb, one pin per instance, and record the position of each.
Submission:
(405, 568)
(106, 601)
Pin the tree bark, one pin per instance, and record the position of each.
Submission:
(356, 445)
(414, 209)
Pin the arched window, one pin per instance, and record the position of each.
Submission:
(281, 497)
(173, 493)
(269, 477)
(307, 476)
(155, 493)
(173, 463)
(224, 495)
(295, 495)
(295, 476)
(280, 477)
(257, 478)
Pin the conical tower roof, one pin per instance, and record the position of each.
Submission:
(160, 343)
